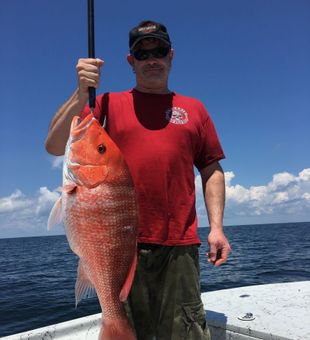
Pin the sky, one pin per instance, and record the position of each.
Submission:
(248, 61)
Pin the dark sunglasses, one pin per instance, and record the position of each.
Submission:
(158, 52)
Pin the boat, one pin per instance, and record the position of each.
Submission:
(278, 311)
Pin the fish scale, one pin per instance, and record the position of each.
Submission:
(100, 214)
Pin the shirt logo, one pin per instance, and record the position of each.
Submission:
(177, 115)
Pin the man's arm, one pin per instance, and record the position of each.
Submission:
(88, 71)
(213, 184)
(59, 130)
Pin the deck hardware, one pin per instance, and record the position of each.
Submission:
(246, 317)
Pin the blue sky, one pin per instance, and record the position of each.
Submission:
(246, 60)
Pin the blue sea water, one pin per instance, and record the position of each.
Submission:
(37, 274)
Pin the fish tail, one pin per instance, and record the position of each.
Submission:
(116, 329)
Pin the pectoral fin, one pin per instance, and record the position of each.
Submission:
(55, 215)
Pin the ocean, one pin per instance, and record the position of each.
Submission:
(37, 274)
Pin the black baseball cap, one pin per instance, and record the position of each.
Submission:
(148, 29)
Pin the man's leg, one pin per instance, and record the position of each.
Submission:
(181, 315)
(165, 297)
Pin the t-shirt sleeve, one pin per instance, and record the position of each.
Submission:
(99, 109)
(209, 148)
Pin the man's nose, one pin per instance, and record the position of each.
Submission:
(152, 60)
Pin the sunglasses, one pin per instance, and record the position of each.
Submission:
(158, 52)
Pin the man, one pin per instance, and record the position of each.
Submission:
(162, 136)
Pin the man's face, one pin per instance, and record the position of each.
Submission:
(152, 72)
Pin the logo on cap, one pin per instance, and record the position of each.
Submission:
(147, 29)
(177, 115)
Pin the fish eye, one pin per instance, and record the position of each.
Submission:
(101, 148)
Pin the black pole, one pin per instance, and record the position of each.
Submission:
(91, 49)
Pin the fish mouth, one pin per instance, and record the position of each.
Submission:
(77, 131)
(79, 127)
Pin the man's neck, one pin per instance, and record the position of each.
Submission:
(160, 90)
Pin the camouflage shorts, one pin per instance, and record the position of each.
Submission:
(164, 302)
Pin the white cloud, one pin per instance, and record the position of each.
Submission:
(27, 216)
(45, 200)
(305, 175)
(306, 196)
(229, 175)
(57, 162)
(281, 197)
(14, 202)
(281, 180)
(284, 199)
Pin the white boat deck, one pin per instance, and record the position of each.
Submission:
(279, 311)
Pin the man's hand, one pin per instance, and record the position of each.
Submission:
(88, 71)
(219, 247)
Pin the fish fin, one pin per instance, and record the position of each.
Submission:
(116, 329)
(83, 286)
(128, 282)
(69, 188)
(55, 216)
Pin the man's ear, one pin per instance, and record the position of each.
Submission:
(171, 53)
(130, 59)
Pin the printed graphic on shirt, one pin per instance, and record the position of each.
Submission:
(177, 115)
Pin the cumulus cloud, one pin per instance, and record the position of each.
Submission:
(45, 200)
(14, 202)
(57, 162)
(21, 215)
(286, 198)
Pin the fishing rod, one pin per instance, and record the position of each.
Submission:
(91, 50)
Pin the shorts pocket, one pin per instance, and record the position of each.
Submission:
(195, 325)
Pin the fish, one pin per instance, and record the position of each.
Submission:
(98, 208)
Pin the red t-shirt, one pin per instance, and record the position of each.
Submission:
(162, 137)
